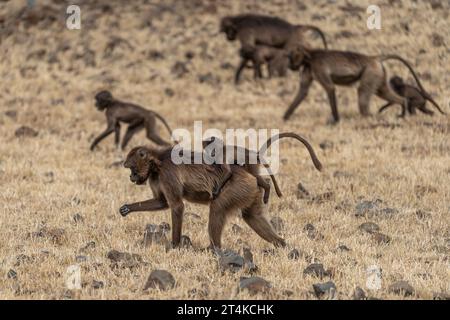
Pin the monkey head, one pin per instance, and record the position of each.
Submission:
(396, 83)
(297, 57)
(103, 99)
(142, 163)
(229, 28)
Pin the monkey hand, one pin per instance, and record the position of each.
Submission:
(92, 147)
(124, 210)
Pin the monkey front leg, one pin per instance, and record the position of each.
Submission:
(148, 205)
(106, 133)
(177, 222)
(117, 135)
(239, 71)
(305, 84)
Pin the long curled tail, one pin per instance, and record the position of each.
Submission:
(313, 155)
(318, 31)
(416, 78)
(163, 121)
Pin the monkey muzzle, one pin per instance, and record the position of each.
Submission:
(137, 179)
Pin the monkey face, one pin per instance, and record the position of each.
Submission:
(139, 161)
(295, 60)
(228, 28)
(396, 82)
(103, 99)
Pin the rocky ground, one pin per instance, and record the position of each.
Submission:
(374, 224)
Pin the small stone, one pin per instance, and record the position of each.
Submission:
(97, 284)
(155, 55)
(179, 69)
(343, 248)
(437, 40)
(312, 233)
(189, 55)
(369, 227)
(359, 294)
(124, 259)
(230, 260)
(11, 114)
(78, 218)
(236, 228)
(277, 223)
(327, 288)
(326, 145)
(25, 131)
(254, 285)
(81, 259)
(161, 279)
(401, 288)
(441, 296)
(381, 238)
(12, 274)
(316, 270)
(169, 92)
(302, 193)
(248, 261)
(226, 66)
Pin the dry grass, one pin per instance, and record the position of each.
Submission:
(381, 157)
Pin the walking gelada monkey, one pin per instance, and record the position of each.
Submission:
(275, 58)
(252, 30)
(171, 184)
(252, 161)
(415, 98)
(344, 68)
(136, 116)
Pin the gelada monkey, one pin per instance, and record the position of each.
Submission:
(415, 98)
(252, 30)
(251, 161)
(344, 68)
(172, 183)
(275, 58)
(137, 117)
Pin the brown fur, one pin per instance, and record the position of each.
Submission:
(252, 30)
(344, 68)
(137, 117)
(253, 169)
(415, 98)
(171, 184)
(276, 59)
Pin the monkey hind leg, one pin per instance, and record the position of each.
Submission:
(154, 136)
(131, 131)
(216, 223)
(262, 183)
(254, 217)
(386, 93)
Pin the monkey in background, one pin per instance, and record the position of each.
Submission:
(415, 98)
(135, 116)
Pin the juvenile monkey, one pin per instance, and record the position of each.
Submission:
(171, 184)
(276, 59)
(252, 30)
(415, 98)
(137, 117)
(344, 68)
(252, 161)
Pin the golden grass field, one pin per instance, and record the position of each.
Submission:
(49, 75)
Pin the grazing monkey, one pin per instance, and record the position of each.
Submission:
(276, 59)
(344, 68)
(213, 143)
(137, 117)
(415, 98)
(252, 30)
(171, 184)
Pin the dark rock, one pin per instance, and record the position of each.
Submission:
(401, 288)
(380, 238)
(326, 145)
(369, 227)
(78, 218)
(11, 114)
(230, 260)
(248, 261)
(316, 270)
(12, 274)
(343, 248)
(189, 55)
(179, 69)
(25, 131)
(123, 259)
(155, 55)
(325, 289)
(169, 92)
(437, 40)
(254, 285)
(97, 284)
(161, 279)
(359, 294)
(312, 233)
(209, 78)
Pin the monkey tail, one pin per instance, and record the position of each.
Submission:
(410, 68)
(318, 31)
(164, 122)
(274, 181)
(314, 158)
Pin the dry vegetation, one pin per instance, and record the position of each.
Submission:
(48, 78)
